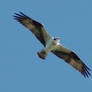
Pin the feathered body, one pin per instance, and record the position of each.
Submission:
(50, 46)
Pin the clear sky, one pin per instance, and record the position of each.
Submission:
(21, 70)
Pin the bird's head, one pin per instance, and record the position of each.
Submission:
(57, 40)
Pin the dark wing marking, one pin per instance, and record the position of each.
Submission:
(35, 27)
(72, 59)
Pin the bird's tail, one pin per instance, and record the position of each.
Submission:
(42, 54)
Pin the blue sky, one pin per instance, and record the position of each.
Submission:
(20, 68)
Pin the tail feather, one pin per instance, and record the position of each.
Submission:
(42, 54)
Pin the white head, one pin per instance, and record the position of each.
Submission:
(56, 40)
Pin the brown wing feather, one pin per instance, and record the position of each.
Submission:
(72, 59)
(35, 27)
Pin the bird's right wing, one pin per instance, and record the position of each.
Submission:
(35, 27)
(71, 58)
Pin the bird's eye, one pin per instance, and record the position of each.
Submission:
(54, 38)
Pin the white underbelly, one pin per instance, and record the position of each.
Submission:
(50, 46)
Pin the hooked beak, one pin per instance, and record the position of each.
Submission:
(58, 38)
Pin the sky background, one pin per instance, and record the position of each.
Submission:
(21, 70)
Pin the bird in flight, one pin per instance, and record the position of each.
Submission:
(52, 44)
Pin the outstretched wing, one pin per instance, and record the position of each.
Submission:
(35, 27)
(72, 59)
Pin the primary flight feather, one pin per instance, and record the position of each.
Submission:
(52, 44)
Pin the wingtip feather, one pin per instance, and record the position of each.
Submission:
(86, 71)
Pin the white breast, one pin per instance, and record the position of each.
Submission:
(51, 44)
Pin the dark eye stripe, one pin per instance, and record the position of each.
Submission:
(54, 38)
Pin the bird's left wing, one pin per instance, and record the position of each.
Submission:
(35, 27)
(71, 58)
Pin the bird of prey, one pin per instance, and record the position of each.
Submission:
(52, 44)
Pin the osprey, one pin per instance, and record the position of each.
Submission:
(52, 44)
